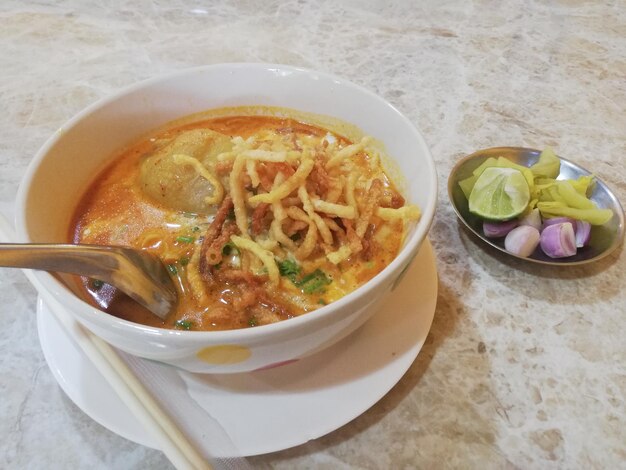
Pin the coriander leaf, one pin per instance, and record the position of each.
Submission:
(288, 268)
(183, 325)
(185, 239)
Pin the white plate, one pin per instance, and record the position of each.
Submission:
(267, 411)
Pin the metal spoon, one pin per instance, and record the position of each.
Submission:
(140, 275)
(604, 239)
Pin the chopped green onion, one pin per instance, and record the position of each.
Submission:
(184, 261)
(311, 283)
(172, 269)
(183, 325)
(195, 229)
(321, 302)
(314, 282)
(96, 284)
(185, 239)
(252, 321)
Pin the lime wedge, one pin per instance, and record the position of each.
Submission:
(499, 194)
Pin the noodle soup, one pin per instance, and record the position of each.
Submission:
(258, 218)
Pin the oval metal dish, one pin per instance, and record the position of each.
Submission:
(604, 239)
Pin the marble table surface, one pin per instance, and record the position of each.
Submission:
(524, 367)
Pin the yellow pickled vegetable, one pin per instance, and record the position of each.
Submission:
(468, 183)
(486, 164)
(559, 209)
(573, 198)
(541, 183)
(548, 165)
(582, 184)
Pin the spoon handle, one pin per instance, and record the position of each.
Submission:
(139, 274)
(85, 260)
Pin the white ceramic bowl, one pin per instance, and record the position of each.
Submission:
(65, 165)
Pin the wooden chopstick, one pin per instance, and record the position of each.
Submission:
(128, 387)
(131, 391)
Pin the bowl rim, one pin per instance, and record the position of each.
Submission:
(93, 315)
(452, 181)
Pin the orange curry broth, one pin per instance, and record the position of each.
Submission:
(114, 211)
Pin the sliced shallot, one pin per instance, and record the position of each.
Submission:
(583, 232)
(498, 229)
(559, 240)
(558, 220)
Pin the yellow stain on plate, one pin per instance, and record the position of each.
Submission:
(224, 354)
